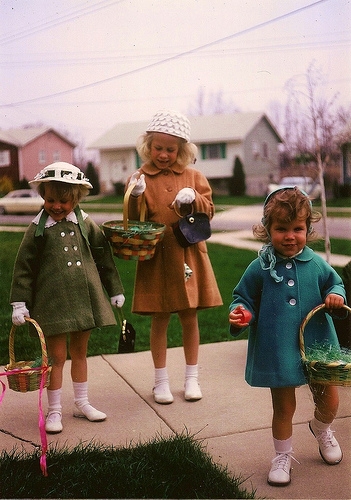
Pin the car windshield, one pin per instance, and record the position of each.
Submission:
(22, 194)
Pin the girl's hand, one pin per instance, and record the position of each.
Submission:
(140, 184)
(118, 300)
(333, 301)
(240, 317)
(19, 312)
(184, 197)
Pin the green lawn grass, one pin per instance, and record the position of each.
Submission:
(178, 467)
(339, 246)
(222, 202)
(218, 199)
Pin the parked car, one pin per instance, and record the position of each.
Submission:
(21, 201)
(310, 186)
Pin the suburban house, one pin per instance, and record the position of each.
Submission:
(25, 151)
(220, 140)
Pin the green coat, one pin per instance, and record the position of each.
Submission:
(278, 309)
(58, 279)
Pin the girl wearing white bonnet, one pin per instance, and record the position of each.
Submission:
(63, 268)
(176, 280)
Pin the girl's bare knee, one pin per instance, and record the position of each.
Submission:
(326, 400)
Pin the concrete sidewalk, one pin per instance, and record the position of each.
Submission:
(233, 420)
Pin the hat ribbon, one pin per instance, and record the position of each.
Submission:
(61, 174)
(268, 261)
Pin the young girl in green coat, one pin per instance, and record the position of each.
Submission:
(274, 295)
(63, 265)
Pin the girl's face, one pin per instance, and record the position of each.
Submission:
(164, 150)
(57, 207)
(288, 238)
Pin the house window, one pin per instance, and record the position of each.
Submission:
(56, 156)
(213, 151)
(265, 150)
(42, 156)
(255, 149)
(5, 158)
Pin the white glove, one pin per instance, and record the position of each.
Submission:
(118, 300)
(185, 197)
(140, 185)
(19, 312)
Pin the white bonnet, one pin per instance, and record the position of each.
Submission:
(170, 122)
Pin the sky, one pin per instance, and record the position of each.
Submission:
(81, 66)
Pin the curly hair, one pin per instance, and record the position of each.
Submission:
(75, 192)
(186, 153)
(286, 205)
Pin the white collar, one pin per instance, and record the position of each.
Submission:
(292, 257)
(71, 217)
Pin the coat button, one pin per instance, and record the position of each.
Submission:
(292, 302)
(291, 283)
(75, 248)
(63, 234)
(71, 233)
(69, 264)
(79, 263)
(288, 265)
(65, 249)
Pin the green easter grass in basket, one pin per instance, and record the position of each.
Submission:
(325, 364)
(133, 240)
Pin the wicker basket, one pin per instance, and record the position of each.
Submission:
(29, 380)
(319, 372)
(133, 240)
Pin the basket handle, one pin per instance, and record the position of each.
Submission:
(44, 354)
(304, 323)
(126, 205)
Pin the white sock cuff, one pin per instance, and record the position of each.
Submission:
(321, 426)
(80, 390)
(54, 398)
(191, 370)
(283, 446)
(161, 374)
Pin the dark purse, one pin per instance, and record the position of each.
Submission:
(126, 341)
(192, 228)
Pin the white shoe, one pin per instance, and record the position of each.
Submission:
(192, 390)
(329, 448)
(279, 475)
(162, 394)
(89, 412)
(53, 422)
